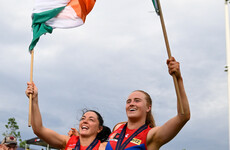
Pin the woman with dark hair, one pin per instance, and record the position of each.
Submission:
(92, 132)
(140, 131)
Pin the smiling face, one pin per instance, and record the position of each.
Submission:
(136, 106)
(89, 124)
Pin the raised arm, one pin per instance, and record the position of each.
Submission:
(158, 136)
(49, 136)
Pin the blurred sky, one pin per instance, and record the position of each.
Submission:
(119, 49)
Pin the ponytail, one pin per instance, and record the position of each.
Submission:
(150, 120)
(104, 134)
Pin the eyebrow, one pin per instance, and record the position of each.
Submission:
(134, 99)
(89, 117)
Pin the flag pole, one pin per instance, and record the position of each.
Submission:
(228, 57)
(169, 56)
(31, 80)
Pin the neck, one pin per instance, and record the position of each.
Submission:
(86, 141)
(135, 124)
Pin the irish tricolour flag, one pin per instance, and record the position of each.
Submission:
(50, 14)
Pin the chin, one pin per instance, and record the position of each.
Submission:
(84, 134)
(132, 116)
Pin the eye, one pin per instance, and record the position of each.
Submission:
(128, 101)
(92, 119)
(82, 118)
(137, 100)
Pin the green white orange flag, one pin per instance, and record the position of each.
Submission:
(50, 14)
(156, 6)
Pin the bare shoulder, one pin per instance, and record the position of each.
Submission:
(151, 136)
(66, 138)
(102, 146)
(118, 125)
(151, 140)
(152, 132)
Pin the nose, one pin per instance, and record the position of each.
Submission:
(85, 121)
(131, 103)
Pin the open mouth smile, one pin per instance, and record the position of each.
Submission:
(84, 128)
(132, 109)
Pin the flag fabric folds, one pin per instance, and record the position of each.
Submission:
(50, 14)
(156, 6)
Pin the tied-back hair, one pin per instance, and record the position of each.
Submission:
(149, 117)
(105, 132)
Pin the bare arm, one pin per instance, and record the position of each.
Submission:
(160, 135)
(49, 136)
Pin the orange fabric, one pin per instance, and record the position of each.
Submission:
(82, 7)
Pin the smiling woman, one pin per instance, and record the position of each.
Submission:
(146, 102)
(140, 131)
(92, 133)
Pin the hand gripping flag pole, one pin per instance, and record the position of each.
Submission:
(48, 15)
(31, 80)
(157, 6)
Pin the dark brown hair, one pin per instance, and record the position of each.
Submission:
(105, 132)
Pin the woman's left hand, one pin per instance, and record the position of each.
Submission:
(174, 67)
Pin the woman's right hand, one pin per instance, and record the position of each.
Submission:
(73, 131)
(31, 89)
